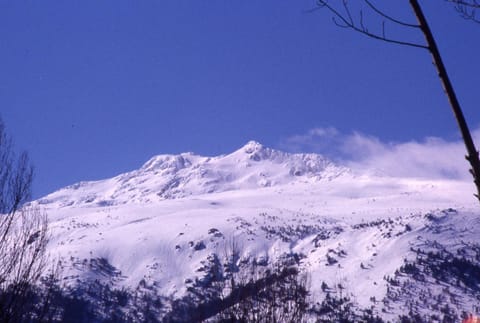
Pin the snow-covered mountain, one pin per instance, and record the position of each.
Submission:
(167, 226)
(178, 176)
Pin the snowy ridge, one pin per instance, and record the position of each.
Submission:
(176, 176)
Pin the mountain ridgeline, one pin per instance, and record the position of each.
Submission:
(176, 176)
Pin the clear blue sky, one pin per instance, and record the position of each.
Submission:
(95, 88)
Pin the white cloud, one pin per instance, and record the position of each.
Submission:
(429, 158)
(315, 140)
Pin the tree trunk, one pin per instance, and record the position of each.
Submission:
(472, 153)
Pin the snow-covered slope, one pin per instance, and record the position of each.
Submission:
(160, 226)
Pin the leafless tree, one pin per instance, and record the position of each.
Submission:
(23, 233)
(343, 16)
(260, 293)
(278, 294)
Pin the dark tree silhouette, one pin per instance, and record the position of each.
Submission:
(23, 233)
(343, 17)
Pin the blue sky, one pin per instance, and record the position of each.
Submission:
(95, 88)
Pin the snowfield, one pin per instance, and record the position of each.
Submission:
(159, 226)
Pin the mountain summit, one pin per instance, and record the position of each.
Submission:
(175, 176)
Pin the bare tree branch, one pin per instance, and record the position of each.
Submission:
(345, 5)
(346, 21)
(384, 15)
(467, 9)
(475, 4)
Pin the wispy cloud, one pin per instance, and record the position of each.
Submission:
(430, 158)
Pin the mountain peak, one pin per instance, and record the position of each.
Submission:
(255, 151)
(161, 162)
(252, 146)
